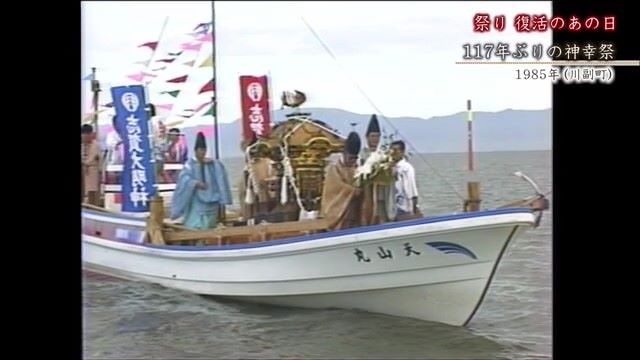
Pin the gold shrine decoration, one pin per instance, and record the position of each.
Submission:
(308, 144)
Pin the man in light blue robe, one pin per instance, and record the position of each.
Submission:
(201, 189)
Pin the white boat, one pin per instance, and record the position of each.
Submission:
(432, 268)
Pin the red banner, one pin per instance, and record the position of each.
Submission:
(255, 106)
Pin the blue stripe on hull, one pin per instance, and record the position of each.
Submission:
(352, 231)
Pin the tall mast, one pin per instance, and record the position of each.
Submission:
(472, 203)
(470, 134)
(215, 87)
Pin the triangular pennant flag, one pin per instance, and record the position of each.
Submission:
(176, 54)
(207, 63)
(203, 28)
(88, 77)
(160, 68)
(202, 25)
(211, 111)
(207, 87)
(180, 79)
(190, 63)
(208, 37)
(168, 61)
(189, 46)
(145, 63)
(136, 77)
(186, 116)
(109, 105)
(173, 93)
(152, 45)
(148, 74)
(201, 106)
(165, 106)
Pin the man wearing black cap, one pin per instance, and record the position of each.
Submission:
(378, 198)
(341, 201)
(201, 188)
(373, 139)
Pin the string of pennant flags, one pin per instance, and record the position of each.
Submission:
(201, 35)
(181, 79)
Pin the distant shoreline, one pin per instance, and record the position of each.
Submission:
(508, 130)
(445, 153)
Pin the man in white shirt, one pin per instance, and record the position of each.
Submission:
(406, 189)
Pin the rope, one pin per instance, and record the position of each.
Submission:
(251, 185)
(362, 92)
(286, 162)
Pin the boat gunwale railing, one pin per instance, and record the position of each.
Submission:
(343, 232)
(309, 237)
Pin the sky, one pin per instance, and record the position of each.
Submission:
(401, 54)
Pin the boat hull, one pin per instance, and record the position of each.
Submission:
(431, 269)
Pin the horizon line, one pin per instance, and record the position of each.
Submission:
(176, 117)
(450, 153)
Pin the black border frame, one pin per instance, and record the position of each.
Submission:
(593, 128)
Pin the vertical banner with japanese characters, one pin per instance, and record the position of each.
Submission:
(255, 106)
(138, 176)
